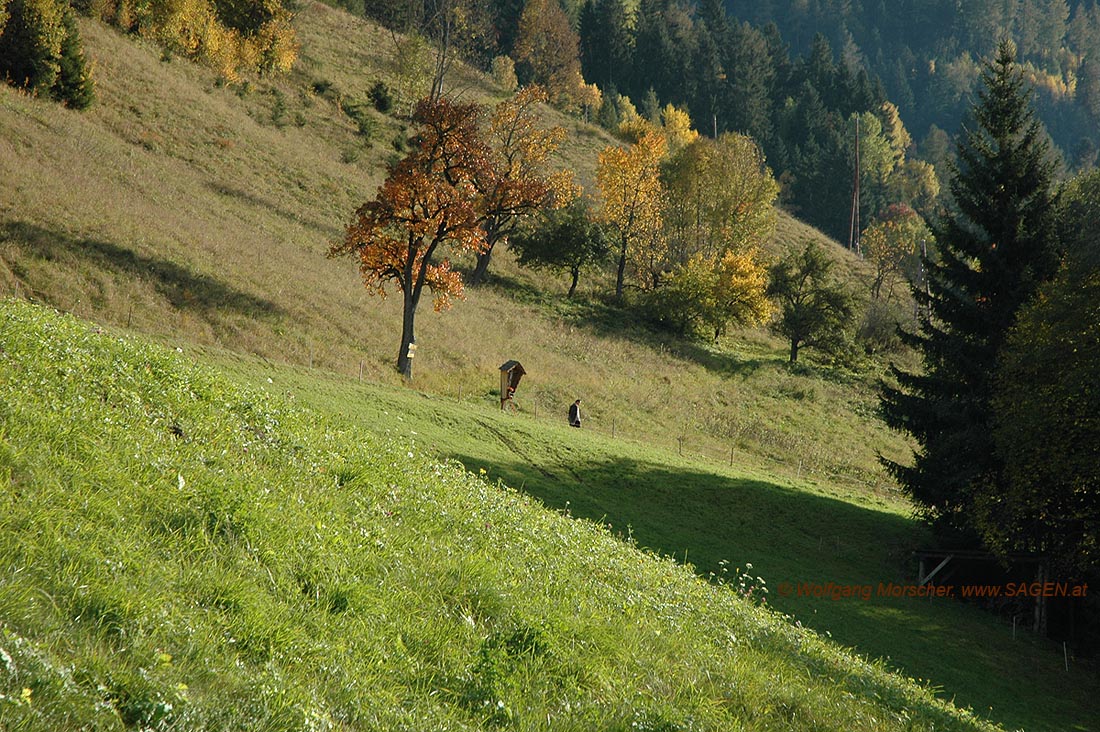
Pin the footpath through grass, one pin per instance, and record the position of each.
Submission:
(717, 518)
(179, 553)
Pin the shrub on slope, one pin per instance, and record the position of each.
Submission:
(177, 553)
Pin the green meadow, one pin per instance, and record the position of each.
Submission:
(180, 552)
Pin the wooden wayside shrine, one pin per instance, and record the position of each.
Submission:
(510, 374)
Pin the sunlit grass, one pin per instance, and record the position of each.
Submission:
(177, 552)
(199, 214)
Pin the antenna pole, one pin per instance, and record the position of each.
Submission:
(854, 226)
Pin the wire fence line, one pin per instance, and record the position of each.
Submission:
(805, 463)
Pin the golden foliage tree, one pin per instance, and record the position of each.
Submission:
(707, 296)
(632, 126)
(740, 290)
(547, 51)
(518, 181)
(721, 197)
(629, 181)
(589, 98)
(890, 244)
(677, 127)
(428, 201)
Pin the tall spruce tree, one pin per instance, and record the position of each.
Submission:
(606, 45)
(997, 244)
(74, 84)
(655, 53)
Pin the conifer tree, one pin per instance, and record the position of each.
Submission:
(606, 45)
(997, 244)
(74, 80)
(655, 53)
(30, 44)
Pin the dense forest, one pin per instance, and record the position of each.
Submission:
(927, 52)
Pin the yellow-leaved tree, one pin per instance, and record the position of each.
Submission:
(708, 296)
(630, 184)
(721, 197)
(677, 127)
(740, 291)
(719, 209)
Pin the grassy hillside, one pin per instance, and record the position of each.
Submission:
(718, 517)
(186, 209)
(180, 553)
(199, 214)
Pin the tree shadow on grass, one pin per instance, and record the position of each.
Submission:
(180, 286)
(705, 518)
(792, 537)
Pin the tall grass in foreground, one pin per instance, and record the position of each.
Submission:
(177, 553)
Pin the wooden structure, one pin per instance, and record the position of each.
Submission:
(980, 567)
(510, 374)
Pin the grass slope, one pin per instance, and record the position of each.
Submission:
(701, 510)
(198, 213)
(185, 209)
(181, 553)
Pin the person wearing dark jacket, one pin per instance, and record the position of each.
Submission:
(575, 414)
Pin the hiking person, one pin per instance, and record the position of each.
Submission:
(575, 414)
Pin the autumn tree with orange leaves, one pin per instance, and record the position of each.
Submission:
(517, 182)
(429, 200)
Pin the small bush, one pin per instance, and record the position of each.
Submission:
(278, 108)
(362, 118)
(878, 331)
(381, 97)
(504, 73)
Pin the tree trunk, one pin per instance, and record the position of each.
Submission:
(621, 273)
(576, 272)
(794, 350)
(408, 316)
(482, 266)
